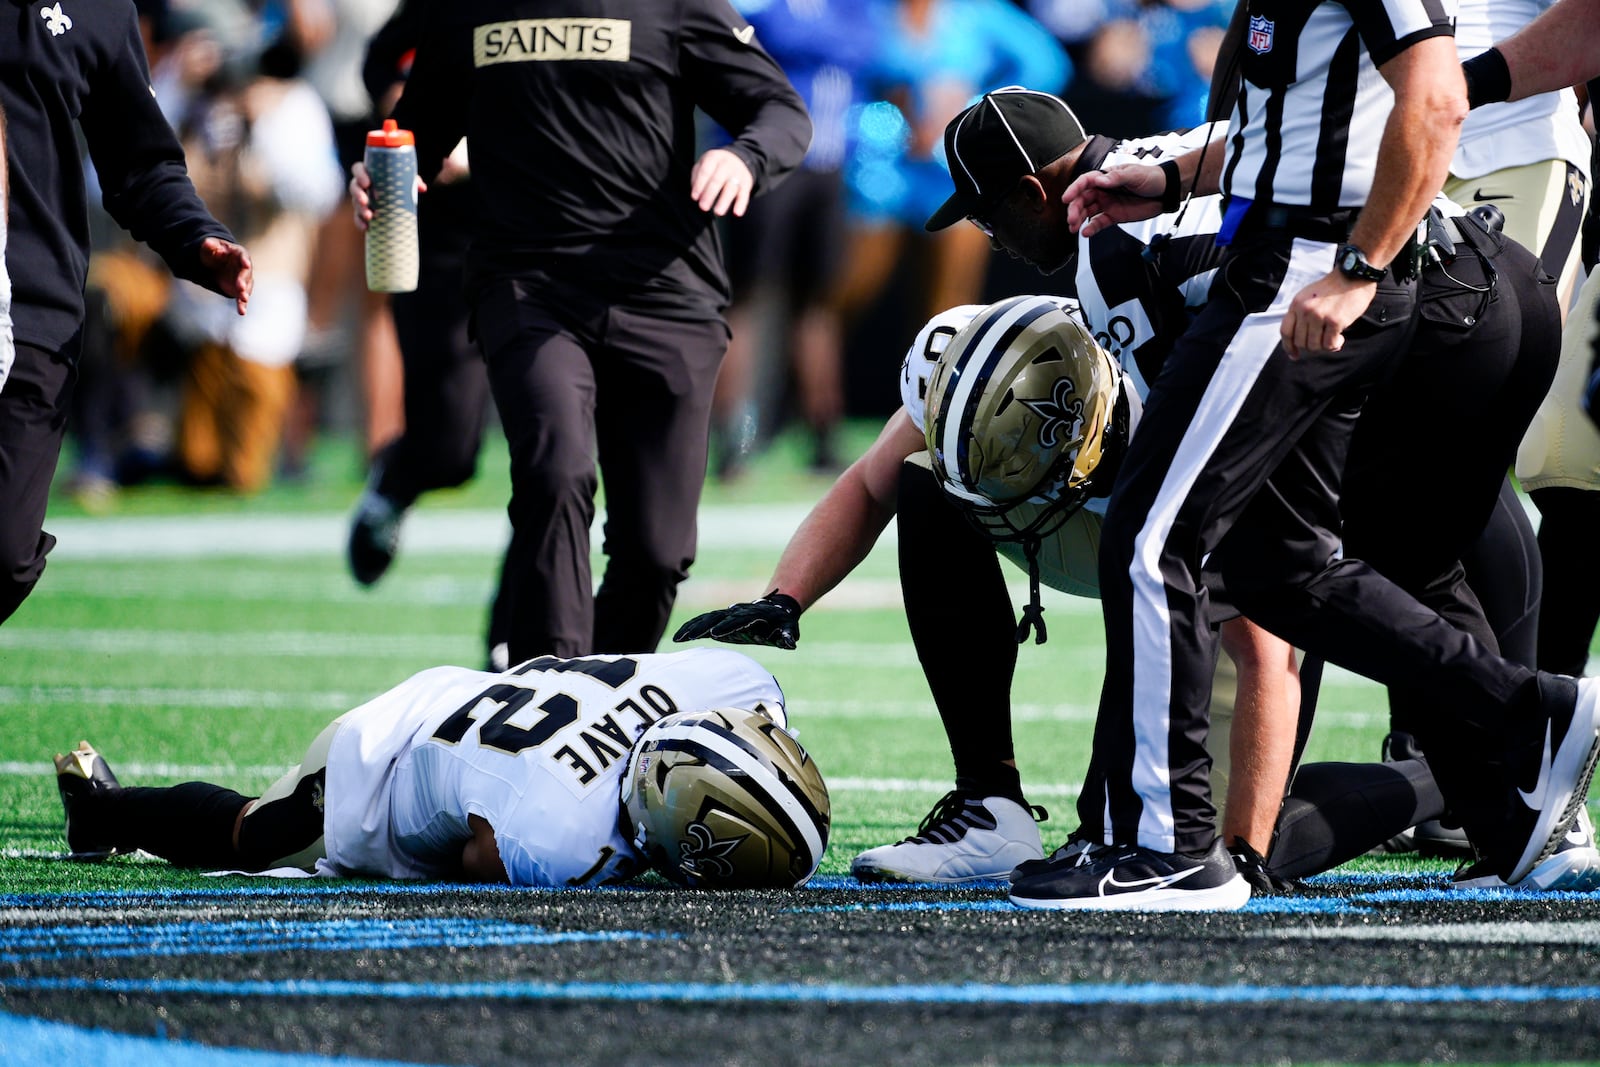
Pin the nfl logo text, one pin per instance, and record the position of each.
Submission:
(1260, 39)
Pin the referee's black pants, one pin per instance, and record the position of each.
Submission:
(1237, 437)
(1425, 498)
(578, 382)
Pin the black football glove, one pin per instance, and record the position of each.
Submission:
(773, 620)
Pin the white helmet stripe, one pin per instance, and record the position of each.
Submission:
(758, 770)
(996, 321)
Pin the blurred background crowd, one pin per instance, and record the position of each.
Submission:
(833, 273)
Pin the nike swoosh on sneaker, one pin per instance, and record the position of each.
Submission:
(1161, 881)
(1535, 799)
(1480, 196)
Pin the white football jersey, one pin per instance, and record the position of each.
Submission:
(537, 751)
(1534, 129)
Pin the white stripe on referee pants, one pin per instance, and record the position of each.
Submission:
(1252, 345)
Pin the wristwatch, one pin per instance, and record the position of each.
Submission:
(1353, 264)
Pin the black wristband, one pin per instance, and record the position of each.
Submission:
(1172, 192)
(1488, 78)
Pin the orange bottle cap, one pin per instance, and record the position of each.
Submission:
(391, 136)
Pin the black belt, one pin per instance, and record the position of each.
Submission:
(1293, 220)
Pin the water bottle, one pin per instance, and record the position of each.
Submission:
(392, 251)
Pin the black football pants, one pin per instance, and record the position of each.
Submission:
(1232, 420)
(578, 382)
(1425, 490)
(1426, 470)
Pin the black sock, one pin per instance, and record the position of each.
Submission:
(188, 825)
(1571, 596)
(964, 630)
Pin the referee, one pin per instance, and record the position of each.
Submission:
(1316, 301)
(595, 278)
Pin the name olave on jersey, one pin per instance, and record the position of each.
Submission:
(548, 40)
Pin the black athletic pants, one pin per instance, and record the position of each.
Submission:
(33, 420)
(577, 382)
(1239, 440)
(446, 389)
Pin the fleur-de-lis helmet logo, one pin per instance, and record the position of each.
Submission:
(1061, 415)
(701, 855)
(56, 20)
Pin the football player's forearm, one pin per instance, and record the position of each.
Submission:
(1559, 48)
(834, 538)
(480, 858)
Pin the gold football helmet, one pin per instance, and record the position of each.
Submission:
(726, 799)
(1027, 417)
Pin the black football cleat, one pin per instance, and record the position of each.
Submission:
(374, 537)
(84, 779)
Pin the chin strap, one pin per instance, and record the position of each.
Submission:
(1033, 614)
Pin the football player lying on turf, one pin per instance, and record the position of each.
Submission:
(556, 773)
(1038, 520)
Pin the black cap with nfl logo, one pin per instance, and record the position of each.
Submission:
(991, 145)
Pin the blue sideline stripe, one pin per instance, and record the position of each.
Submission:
(296, 890)
(699, 992)
(24, 1041)
(245, 936)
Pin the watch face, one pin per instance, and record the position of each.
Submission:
(1349, 262)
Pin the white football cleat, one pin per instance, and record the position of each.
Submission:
(963, 839)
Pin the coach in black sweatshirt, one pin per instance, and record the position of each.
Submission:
(595, 275)
(63, 61)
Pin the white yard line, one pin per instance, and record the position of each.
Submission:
(426, 532)
(227, 772)
(1582, 932)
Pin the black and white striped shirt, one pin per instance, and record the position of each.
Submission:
(1312, 105)
(1137, 302)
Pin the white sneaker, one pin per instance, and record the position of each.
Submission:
(1573, 866)
(963, 839)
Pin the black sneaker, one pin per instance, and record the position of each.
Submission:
(1131, 878)
(1264, 881)
(82, 777)
(374, 536)
(1076, 850)
(1437, 840)
(1552, 784)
